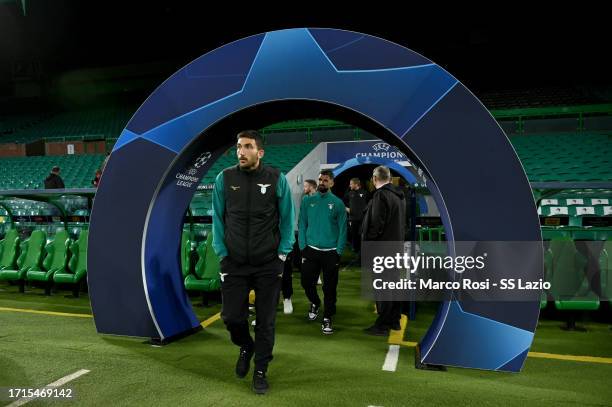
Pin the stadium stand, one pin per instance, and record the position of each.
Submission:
(565, 157)
(77, 171)
(74, 125)
(538, 97)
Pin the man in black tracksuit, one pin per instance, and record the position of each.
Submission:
(385, 221)
(355, 200)
(253, 219)
(322, 236)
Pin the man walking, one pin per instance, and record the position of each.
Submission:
(322, 236)
(294, 258)
(252, 233)
(385, 221)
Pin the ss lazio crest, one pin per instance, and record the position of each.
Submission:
(331, 206)
(263, 188)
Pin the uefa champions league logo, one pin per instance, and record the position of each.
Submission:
(382, 150)
(202, 159)
(381, 146)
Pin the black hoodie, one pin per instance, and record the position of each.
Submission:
(385, 218)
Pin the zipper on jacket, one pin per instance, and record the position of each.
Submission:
(248, 226)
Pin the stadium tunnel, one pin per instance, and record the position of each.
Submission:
(191, 119)
(362, 168)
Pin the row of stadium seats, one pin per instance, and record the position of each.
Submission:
(431, 234)
(575, 210)
(13, 124)
(571, 288)
(550, 157)
(565, 268)
(565, 157)
(577, 205)
(576, 233)
(538, 97)
(201, 204)
(61, 261)
(283, 157)
(100, 123)
(77, 171)
(575, 201)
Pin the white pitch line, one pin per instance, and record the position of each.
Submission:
(391, 359)
(57, 383)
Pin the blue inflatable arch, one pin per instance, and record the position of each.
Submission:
(134, 276)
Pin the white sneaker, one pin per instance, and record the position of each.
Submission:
(254, 322)
(313, 313)
(319, 282)
(287, 306)
(326, 326)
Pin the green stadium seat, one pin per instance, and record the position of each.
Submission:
(54, 262)
(206, 273)
(77, 265)
(543, 301)
(565, 270)
(185, 254)
(9, 249)
(31, 253)
(605, 269)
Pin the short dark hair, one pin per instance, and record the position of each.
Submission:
(329, 173)
(311, 182)
(356, 181)
(252, 134)
(55, 169)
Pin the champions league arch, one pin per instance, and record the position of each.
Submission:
(134, 274)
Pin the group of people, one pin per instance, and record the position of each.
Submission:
(253, 220)
(253, 236)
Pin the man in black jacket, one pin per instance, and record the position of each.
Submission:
(54, 181)
(252, 234)
(355, 200)
(385, 221)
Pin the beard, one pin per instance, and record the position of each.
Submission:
(248, 164)
(322, 189)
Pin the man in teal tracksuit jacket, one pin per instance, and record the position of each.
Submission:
(321, 237)
(253, 219)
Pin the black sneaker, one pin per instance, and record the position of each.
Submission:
(326, 326)
(377, 330)
(313, 313)
(260, 383)
(244, 361)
